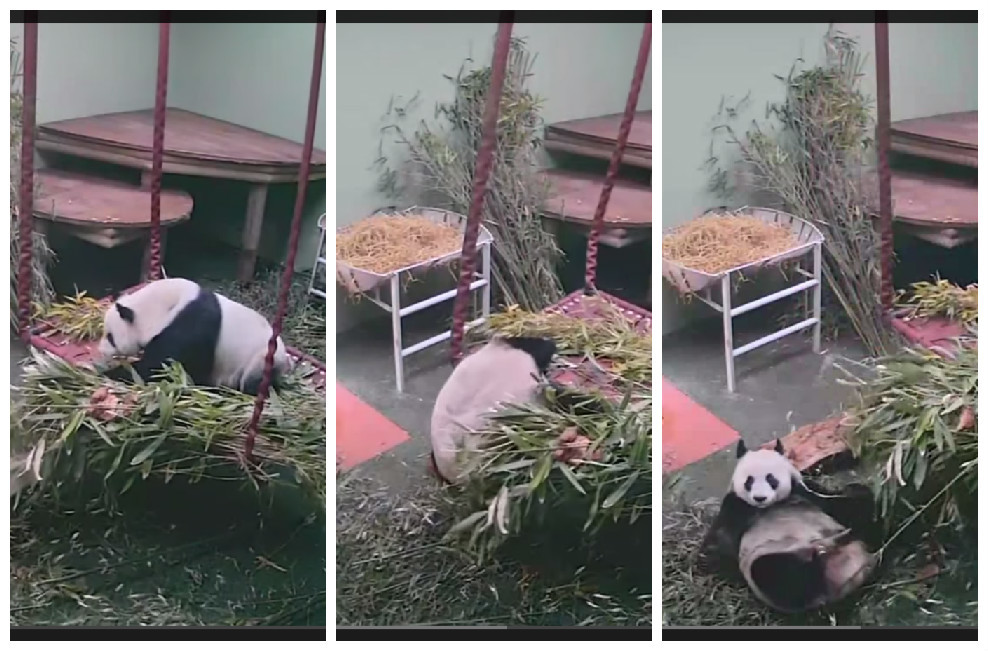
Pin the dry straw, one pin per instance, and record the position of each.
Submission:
(718, 242)
(385, 243)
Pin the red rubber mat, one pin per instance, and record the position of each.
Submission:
(689, 432)
(362, 433)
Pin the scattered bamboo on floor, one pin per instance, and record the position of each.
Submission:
(79, 317)
(941, 298)
(70, 420)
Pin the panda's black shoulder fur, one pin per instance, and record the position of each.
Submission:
(541, 349)
(190, 339)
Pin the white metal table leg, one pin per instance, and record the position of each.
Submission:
(817, 293)
(725, 300)
(396, 331)
(486, 272)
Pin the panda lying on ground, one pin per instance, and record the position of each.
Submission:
(798, 545)
(218, 342)
(504, 370)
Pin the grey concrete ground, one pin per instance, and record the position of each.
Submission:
(779, 388)
(365, 366)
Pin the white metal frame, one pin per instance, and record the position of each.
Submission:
(729, 312)
(700, 284)
(320, 260)
(372, 285)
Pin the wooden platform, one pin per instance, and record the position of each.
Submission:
(951, 137)
(105, 213)
(597, 137)
(940, 210)
(574, 198)
(194, 145)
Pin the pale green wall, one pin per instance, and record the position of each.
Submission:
(581, 70)
(256, 75)
(933, 70)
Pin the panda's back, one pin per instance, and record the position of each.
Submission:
(494, 375)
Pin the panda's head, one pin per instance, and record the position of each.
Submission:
(763, 477)
(121, 334)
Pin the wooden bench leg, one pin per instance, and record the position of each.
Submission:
(253, 222)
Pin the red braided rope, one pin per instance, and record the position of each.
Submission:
(482, 170)
(157, 152)
(25, 206)
(286, 278)
(637, 78)
(884, 173)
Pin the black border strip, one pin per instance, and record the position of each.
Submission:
(817, 16)
(491, 633)
(136, 16)
(821, 633)
(461, 16)
(178, 633)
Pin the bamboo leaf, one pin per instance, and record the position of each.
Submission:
(619, 493)
(151, 448)
(568, 474)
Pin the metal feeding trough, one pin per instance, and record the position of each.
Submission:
(370, 284)
(700, 284)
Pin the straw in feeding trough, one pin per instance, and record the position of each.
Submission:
(718, 242)
(384, 243)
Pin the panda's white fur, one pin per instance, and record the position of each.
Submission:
(214, 337)
(762, 477)
(495, 374)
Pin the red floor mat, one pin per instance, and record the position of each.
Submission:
(361, 432)
(689, 432)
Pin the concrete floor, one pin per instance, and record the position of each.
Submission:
(778, 389)
(365, 366)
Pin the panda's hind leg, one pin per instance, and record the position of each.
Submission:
(253, 375)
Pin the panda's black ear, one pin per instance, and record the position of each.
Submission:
(125, 312)
(741, 450)
(778, 447)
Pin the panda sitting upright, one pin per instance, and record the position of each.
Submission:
(797, 544)
(218, 342)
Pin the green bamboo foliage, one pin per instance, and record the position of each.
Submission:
(518, 480)
(70, 422)
(916, 429)
(434, 165)
(812, 154)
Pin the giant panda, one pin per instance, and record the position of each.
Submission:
(798, 545)
(504, 370)
(218, 342)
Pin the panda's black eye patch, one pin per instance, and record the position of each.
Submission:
(748, 483)
(109, 338)
(772, 481)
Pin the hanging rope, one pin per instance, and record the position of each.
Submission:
(482, 170)
(153, 272)
(296, 229)
(25, 205)
(884, 173)
(590, 281)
